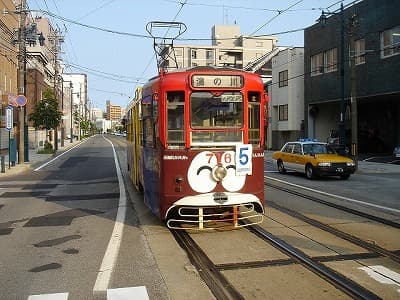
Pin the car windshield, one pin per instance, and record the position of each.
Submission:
(318, 149)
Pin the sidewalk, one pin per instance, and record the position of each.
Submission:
(375, 167)
(35, 159)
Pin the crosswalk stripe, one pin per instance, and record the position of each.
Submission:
(58, 296)
(130, 293)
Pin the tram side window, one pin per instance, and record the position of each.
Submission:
(254, 118)
(175, 117)
(147, 124)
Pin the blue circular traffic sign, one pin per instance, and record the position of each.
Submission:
(21, 100)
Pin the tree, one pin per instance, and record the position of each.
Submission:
(46, 115)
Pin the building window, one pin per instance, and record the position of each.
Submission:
(283, 112)
(259, 44)
(178, 52)
(390, 42)
(194, 53)
(283, 78)
(209, 54)
(359, 51)
(317, 64)
(331, 60)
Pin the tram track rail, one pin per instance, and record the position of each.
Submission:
(223, 289)
(341, 282)
(393, 255)
(212, 273)
(335, 205)
(207, 270)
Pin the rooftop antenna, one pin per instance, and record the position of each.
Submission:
(164, 46)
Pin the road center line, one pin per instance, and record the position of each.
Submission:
(336, 196)
(111, 254)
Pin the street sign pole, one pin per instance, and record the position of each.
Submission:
(9, 126)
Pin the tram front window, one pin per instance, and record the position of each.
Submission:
(214, 115)
(224, 110)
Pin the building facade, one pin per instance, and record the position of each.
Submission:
(286, 94)
(228, 49)
(371, 77)
(77, 108)
(114, 114)
(8, 67)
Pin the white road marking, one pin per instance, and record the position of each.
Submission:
(383, 275)
(111, 254)
(336, 196)
(136, 293)
(57, 157)
(59, 296)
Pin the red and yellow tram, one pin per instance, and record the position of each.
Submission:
(196, 147)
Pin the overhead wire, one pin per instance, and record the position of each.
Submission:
(274, 17)
(241, 7)
(154, 54)
(279, 12)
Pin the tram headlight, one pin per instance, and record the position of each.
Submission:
(219, 173)
(178, 179)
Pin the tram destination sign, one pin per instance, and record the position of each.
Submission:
(217, 81)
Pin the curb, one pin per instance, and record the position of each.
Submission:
(35, 160)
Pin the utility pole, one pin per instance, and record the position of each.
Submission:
(56, 39)
(353, 92)
(21, 80)
(342, 130)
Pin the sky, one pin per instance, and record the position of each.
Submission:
(107, 39)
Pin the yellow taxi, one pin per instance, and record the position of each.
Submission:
(313, 158)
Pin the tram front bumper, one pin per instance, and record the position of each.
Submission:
(215, 211)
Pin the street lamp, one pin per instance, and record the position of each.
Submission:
(322, 21)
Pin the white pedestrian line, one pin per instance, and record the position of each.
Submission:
(383, 275)
(131, 293)
(128, 293)
(58, 296)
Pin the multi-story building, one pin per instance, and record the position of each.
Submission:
(229, 48)
(114, 114)
(96, 113)
(370, 93)
(286, 94)
(77, 109)
(8, 66)
(41, 69)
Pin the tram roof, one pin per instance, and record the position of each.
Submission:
(199, 68)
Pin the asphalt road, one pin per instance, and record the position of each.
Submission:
(55, 229)
(375, 183)
(57, 224)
